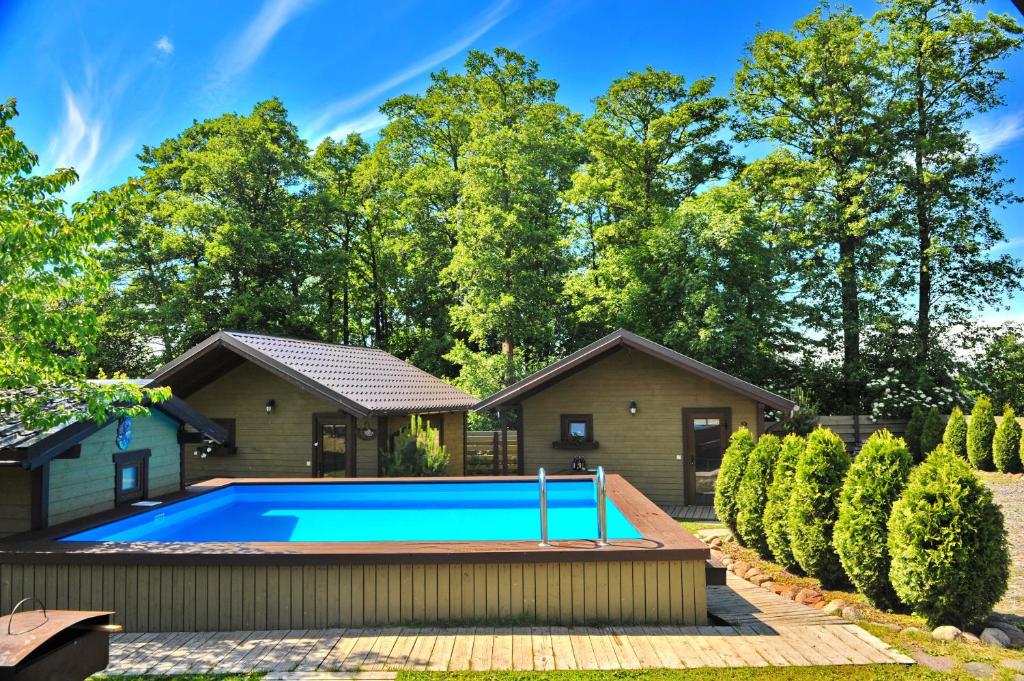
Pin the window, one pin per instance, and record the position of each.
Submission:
(577, 432)
(131, 476)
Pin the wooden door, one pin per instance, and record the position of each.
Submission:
(334, 446)
(705, 436)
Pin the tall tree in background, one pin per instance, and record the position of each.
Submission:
(51, 279)
(510, 257)
(819, 92)
(944, 71)
(652, 141)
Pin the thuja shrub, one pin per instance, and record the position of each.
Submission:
(776, 529)
(1006, 443)
(813, 506)
(912, 435)
(931, 431)
(753, 493)
(873, 484)
(947, 542)
(955, 435)
(980, 432)
(730, 475)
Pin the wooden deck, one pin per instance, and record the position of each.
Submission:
(697, 513)
(757, 629)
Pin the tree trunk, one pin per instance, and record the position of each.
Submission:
(924, 227)
(345, 332)
(508, 349)
(850, 306)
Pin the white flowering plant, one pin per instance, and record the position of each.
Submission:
(897, 398)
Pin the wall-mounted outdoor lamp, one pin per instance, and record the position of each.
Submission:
(632, 409)
(270, 406)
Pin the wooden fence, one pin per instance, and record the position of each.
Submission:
(483, 452)
(855, 430)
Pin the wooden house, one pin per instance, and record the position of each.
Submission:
(297, 408)
(82, 467)
(659, 418)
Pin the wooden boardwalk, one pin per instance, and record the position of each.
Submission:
(698, 513)
(754, 628)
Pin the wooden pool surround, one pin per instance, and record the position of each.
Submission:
(193, 586)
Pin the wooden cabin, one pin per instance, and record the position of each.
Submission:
(660, 419)
(297, 408)
(81, 467)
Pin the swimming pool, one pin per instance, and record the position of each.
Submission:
(371, 512)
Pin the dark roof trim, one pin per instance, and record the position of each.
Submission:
(224, 340)
(56, 443)
(620, 339)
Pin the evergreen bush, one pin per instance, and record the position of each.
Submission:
(775, 525)
(955, 436)
(980, 431)
(931, 431)
(912, 435)
(813, 506)
(872, 486)
(1006, 443)
(417, 452)
(730, 475)
(753, 493)
(947, 541)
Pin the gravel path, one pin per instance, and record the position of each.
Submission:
(1009, 494)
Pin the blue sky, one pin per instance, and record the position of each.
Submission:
(95, 80)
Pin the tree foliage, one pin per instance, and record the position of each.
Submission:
(931, 431)
(980, 431)
(955, 435)
(752, 496)
(915, 428)
(776, 511)
(1006, 443)
(730, 476)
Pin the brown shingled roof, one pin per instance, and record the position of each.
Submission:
(364, 381)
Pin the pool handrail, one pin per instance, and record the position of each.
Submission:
(542, 483)
(602, 500)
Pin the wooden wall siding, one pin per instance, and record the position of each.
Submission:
(80, 487)
(643, 448)
(194, 598)
(269, 445)
(16, 500)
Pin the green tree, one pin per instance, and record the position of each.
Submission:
(776, 510)
(51, 280)
(873, 484)
(955, 435)
(980, 431)
(730, 475)
(997, 368)
(814, 506)
(931, 431)
(511, 254)
(653, 140)
(945, 66)
(819, 92)
(752, 495)
(1006, 443)
(915, 428)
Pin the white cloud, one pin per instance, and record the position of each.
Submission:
(243, 53)
(364, 124)
(77, 142)
(996, 131)
(164, 45)
(481, 26)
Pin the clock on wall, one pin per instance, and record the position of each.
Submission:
(124, 432)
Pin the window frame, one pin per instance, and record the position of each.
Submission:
(131, 459)
(566, 441)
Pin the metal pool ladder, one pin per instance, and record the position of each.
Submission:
(542, 482)
(602, 512)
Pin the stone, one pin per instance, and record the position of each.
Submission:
(717, 555)
(740, 567)
(728, 562)
(946, 632)
(768, 586)
(808, 596)
(716, 542)
(835, 607)
(968, 637)
(995, 637)
(852, 614)
(911, 630)
(938, 663)
(895, 628)
(760, 579)
(789, 593)
(1015, 665)
(980, 670)
(1014, 633)
(820, 605)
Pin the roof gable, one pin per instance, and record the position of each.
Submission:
(615, 341)
(363, 381)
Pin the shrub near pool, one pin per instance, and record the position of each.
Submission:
(979, 434)
(912, 435)
(873, 484)
(813, 506)
(931, 431)
(950, 561)
(730, 475)
(775, 526)
(753, 493)
(955, 436)
(1006, 443)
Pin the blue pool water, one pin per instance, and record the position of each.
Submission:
(325, 512)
